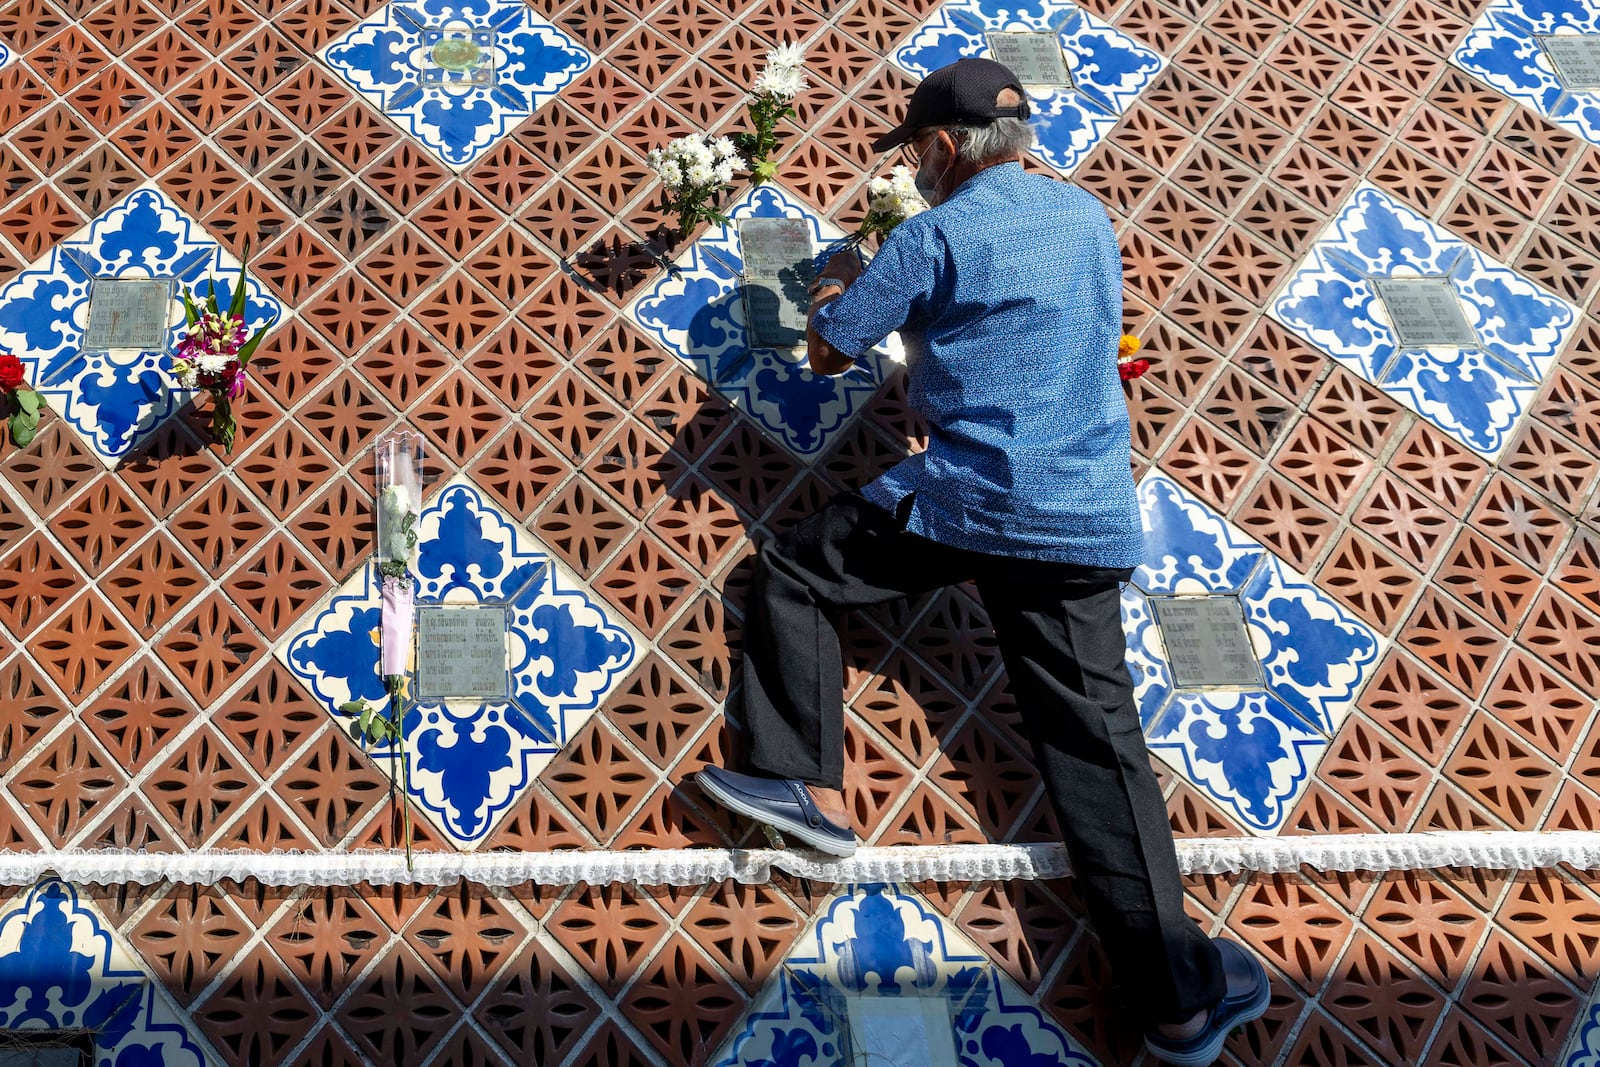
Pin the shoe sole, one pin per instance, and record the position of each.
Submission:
(804, 833)
(1207, 1055)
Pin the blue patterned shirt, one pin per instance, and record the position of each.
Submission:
(1009, 297)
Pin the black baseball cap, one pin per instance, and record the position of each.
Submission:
(961, 94)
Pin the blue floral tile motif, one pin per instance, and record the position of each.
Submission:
(1109, 69)
(1504, 50)
(458, 75)
(1251, 747)
(471, 759)
(61, 970)
(6, 55)
(115, 399)
(1583, 1045)
(696, 311)
(1476, 393)
(883, 943)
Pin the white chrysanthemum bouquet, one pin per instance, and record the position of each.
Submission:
(772, 100)
(890, 201)
(695, 170)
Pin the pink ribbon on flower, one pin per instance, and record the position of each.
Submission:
(398, 614)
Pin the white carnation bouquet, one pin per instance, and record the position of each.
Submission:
(695, 172)
(890, 201)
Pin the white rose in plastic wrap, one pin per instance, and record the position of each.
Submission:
(394, 505)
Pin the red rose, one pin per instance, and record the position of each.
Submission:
(1133, 368)
(11, 372)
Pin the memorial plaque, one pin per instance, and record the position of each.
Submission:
(1576, 58)
(458, 56)
(1035, 58)
(1207, 642)
(461, 652)
(901, 1031)
(128, 313)
(777, 258)
(1425, 311)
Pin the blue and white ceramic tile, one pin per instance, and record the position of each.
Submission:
(458, 75)
(1251, 748)
(1583, 1044)
(115, 399)
(6, 55)
(882, 943)
(1474, 393)
(1109, 69)
(471, 759)
(60, 969)
(697, 312)
(1503, 50)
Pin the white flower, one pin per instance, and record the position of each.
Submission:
(786, 55)
(781, 83)
(213, 363)
(700, 174)
(724, 148)
(891, 200)
(671, 173)
(396, 500)
(724, 171)
(394, 507)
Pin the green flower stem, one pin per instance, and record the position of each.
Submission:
(224, 427)
(396, 684)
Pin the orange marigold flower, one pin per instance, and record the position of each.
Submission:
(1128, 346)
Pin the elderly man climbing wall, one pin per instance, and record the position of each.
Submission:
(1009, 292)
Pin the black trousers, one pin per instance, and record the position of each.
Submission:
(1060, 634)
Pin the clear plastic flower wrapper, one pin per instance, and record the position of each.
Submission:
(399, 475)
(399, 459)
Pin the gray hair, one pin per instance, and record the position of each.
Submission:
(1003, 138)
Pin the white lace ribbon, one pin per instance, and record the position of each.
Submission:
(903, 863)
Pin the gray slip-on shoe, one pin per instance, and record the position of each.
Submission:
(782, 803)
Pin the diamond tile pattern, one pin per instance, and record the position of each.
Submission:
(448, 209)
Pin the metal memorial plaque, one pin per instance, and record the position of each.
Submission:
(777, 258)
(461, 652)
(1206, 639)
(128, 313)
(1035, 58)
(1576, 58)
(458, 56)
(1425, 311)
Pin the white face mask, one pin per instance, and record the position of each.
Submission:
(929, 186)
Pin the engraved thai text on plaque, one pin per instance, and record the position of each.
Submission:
(1425, 311)
(128, 313)
(1207, 642)
(1035, 58)
(1576, 58)
(777, 258)
(461, 652)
